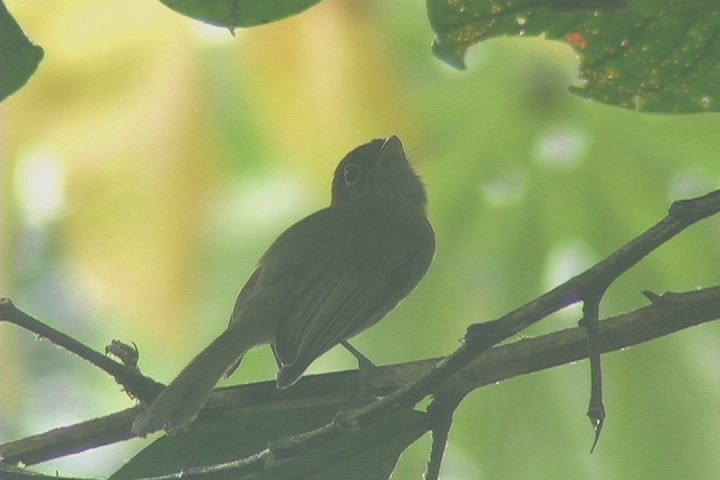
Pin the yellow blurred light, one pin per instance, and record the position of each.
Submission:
(39, 185)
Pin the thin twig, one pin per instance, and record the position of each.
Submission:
(134, 383)
(441, 412)
(596, 407)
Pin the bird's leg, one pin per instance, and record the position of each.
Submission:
(365, 366)
(277, 359)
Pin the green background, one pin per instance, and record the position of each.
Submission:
(151, 160)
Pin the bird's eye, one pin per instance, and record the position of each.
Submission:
(351, 174)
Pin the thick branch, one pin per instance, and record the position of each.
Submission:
(666, 314)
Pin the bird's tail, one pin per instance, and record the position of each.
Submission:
(180, 402)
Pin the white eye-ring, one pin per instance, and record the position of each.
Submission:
(351, 174)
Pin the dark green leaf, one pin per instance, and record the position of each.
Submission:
(239, 13)
(367, 454)
(661, 56)
(19, 58)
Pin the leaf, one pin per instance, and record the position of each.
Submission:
(19, 58)
(366, 453)
(661, 56)
(239, 13)
(9, 472)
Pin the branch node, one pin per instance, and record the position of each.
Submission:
(694, 209)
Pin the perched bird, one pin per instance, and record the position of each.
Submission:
(325, 279)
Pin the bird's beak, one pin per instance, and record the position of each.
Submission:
(392, 147)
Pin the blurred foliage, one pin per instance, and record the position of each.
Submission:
(152, 160)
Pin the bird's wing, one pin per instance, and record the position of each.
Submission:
(245, 295)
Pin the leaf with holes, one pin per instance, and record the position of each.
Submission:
(649, 56)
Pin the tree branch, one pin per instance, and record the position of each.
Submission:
(441, 377)
(667, 313)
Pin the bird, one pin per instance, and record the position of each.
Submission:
(324, 280)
